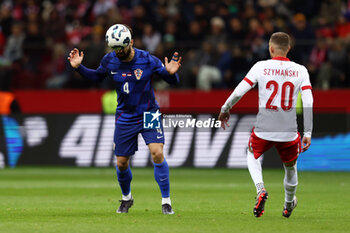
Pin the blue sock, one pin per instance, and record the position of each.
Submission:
(161, 174)
(124, 178)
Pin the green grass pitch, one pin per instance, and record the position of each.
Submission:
(47, 199)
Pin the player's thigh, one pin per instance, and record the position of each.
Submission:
(156, 148)
(258, 146)
(125, 139)
(289, 151)
(154, 139)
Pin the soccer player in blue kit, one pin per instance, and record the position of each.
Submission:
(132, 70)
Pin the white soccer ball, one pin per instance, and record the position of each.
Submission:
(118, 36)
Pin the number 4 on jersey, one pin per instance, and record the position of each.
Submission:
(126, 88)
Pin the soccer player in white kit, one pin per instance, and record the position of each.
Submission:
(279, 81)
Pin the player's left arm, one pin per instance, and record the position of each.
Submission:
(307, 99)
(168, 70)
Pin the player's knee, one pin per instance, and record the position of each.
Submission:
(157, 156)
(290, 164)
(122, 165)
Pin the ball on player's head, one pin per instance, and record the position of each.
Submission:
(118, 36)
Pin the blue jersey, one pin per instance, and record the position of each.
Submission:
(133, 83)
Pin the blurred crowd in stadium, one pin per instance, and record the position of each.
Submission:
(219, 40)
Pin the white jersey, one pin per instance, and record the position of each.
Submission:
(279, 82)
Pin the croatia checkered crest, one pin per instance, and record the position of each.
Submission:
(118, 36)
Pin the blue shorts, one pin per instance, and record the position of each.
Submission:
(125, 138)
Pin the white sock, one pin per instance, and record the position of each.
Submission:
(127, 197)
(290, 182)
(166, 200)
(255, 170)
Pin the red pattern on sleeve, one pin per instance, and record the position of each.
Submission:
(248, 81)
(306, 87)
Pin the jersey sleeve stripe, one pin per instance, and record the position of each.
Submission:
(248, 81)
(306, 87)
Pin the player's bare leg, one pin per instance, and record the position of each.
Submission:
(124, 178)
(290, 187)
(161, 174)
(255, 170)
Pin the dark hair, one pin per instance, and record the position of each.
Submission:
(131, 32)
(281, 40)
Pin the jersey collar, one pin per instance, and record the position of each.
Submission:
(281, 58)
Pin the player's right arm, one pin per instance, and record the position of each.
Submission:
(75, 59)
(243, 87)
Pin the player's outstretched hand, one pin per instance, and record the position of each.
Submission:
(224, 117)
(306, 142)
(75, 58)
(174, 64)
